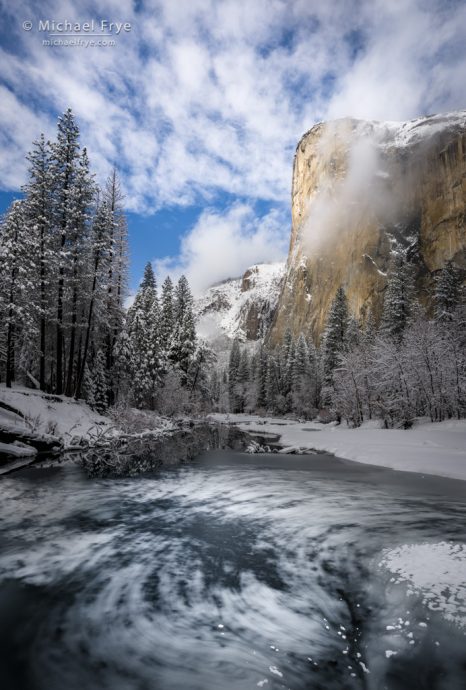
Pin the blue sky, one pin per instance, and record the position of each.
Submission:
(201, 103)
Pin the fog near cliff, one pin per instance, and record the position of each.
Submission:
(356, 183)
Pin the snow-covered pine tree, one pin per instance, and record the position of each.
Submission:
(275, 399)
(17, 313)
(370, 328)
(335, 335)
(98, 270)
(261, 379)
(287, 356)
(123, 362)
(200, 369)
(39, 219)
(100, 383)
(233, 371)
(166, 316)
(398, 298)
(448, 291)
(353, 334)
(64, 168)
(243, 388)
(79, 243)
(144, 322)
(184, 331)
(117, 271)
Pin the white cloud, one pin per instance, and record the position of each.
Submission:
(207, 95)
(222, 245)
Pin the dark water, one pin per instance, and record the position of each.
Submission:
(234, 572)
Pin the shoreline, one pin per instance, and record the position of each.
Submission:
(435, 449)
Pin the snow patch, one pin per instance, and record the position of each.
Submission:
(436, 572)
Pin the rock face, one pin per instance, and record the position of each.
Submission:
(241, 307)
(361, 190)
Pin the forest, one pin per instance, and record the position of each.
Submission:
(408, 365)
(63, 284)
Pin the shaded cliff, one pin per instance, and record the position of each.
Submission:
(240, 308)
(361, 190)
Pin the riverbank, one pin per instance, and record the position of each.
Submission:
(428, 448)
(29, 418)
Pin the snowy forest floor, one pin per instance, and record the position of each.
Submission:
(428, 448)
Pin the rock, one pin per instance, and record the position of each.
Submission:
(240, 307)
(361, 190)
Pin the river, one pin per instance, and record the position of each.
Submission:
(229, 573)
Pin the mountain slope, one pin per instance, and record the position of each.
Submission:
(241, 307)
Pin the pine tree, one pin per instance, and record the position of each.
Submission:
(287, 356)
(17, 256)
(79, 238)
(123, 365)
(398, 298)
(166, 315)
(184, 331)
(64, 167)
(99, 259)
(335, 334)
(117, 269)
(39, 219)
(233, 372)
(144, 332)
(353, 334)
(448, 288)
(261, 379)
(100, 383)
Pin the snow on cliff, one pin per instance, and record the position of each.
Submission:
(241, 307)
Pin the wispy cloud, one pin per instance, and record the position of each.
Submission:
(205, 95)
(208, 96)
(222, 244)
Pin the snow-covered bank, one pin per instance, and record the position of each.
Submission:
(437, 449)
(59, 416)
(41, 417)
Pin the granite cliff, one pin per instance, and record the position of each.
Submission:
(360, 190)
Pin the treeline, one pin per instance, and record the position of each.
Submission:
(63, 282)
(63, 251)
(408, 365)
(159, 361)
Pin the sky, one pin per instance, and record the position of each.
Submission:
(200, 105)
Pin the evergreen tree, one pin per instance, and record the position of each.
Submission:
(287, 357)
(398, 298)
(184, 331)
(448, 288)
(167, 315)
(39, 219)
(144, 321)
(233, 372)
(64, 167)
(99, 260)
(261, 379)
(123, 365)
(100, 383)
(335, 334)
(117, 269)
(17, 255)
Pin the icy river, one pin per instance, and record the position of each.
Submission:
(234, 572)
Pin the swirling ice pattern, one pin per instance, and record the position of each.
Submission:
(217, 576)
